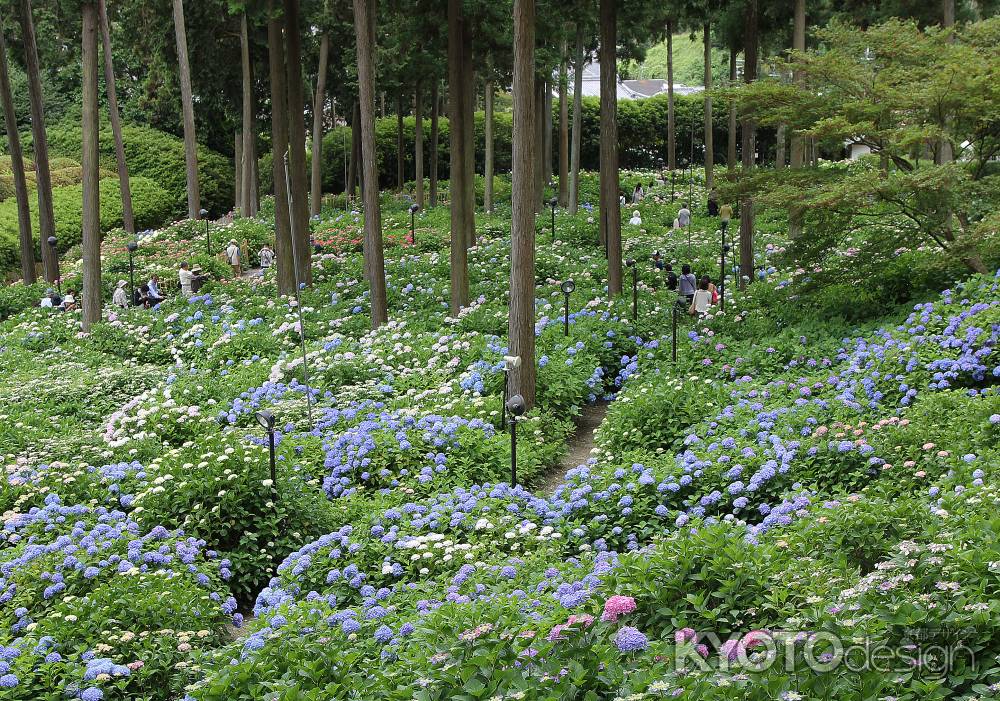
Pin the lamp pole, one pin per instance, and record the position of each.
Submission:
(132, 246)
(673, 334)
(635, 288)
(515, 405)
(413, 231)
(722, 269)
(55, 256)
(567, 287)
(208, 236)
(298, 298)
(691, 168)
(266, 420)
(552, 203)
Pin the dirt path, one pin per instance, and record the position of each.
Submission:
(579, 446)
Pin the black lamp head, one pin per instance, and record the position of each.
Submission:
(203, 213)
(630, 262)
(515, 405)
(265, 419)
(568, 286)
(414, 208)
(132, 246)
(726, 248)
(553, 202)
(52, 241)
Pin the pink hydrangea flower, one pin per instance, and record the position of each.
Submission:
(685, 635)
(617, 606)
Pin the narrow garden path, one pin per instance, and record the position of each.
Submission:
(579, 446)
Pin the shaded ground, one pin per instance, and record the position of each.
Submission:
(578, 445)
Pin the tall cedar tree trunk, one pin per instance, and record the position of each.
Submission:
(779, 146)
(90, 166)
(128, 218)
(352, 169)
(245, 162)
(298, 209)
(254, 165)
(945, 152)
(748, 144)
(488, 133)
(611, 217)
(284, 262)
(456, 135)
(547, 116)
(238, 170)
(563, 129)
(539, 143)
(797, 148)
(43, 177)
(435, 110)
(671, 115)
(574, 188)
(521, 317)
(27, 244)
(187, 108)
(469, 134)
(731, 132)
(319, 104)
(418, 141)
(709, 136)
(400, 156)
(364, 29)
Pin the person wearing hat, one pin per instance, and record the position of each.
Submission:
(50, 300)
(119, 298)
(233, 256)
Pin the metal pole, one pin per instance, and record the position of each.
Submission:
(503, 402)
(413, 230)
(635, 292)
(131, 278)
(270, 439)
(673, 186)
(513, 451)
(553, 224)
(673, 335)
(208, 238)
(566, 317)
(298, 297)
(722, 271)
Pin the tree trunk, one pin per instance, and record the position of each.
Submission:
(731, 145)
(298, 208)
(319, 103)
(671, 116)
(364, 28)
(469, 133)
(748, 145)
(128, 218)
(945, 152)
(418, 140)
(574, 189)
(285, 262)
(244, 163)
(611, 219)
(238, 171)
(43, 178)
(187, 108)
(547, 116)
(90, 167)
(521, 317)
(400, 156)
(488, 132)
(435, 110)
(563, 128)
(779, 147)
(254, 184)
(709, 135)
(539, 143)
(27, 244)
(798, 44)
(352, 171)
(456, 135)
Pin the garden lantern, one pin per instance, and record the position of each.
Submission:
(635, 288)
(208, 236)
(552, 203)
(131, 246)
(55, 255)
(510, 362)
(414, 208)
(567, 288)
(266, 421)
(515, 405)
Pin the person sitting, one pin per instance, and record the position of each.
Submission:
(186, 277)
(140, 298)
(197, 280)
(671, 278)
(69, 301)
(50, 300)
(657, 260)
(119, 298)
(636, 220)
(154, 296)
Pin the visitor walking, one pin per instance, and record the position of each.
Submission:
(701, 302)
(637, 194)
(684, 215)
(266, 259)
(119, 298)
(687, 283)
(726, 213)
(233, 256)
(186, 277)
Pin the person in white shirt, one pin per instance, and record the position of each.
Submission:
(636, 220)
(684, 215)
(266, 258)
(155, 296)
(233, 256)
(185, 276)
(119, 298)
(50, 300)
(702, 300)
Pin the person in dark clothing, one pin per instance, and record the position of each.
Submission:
(671, 278)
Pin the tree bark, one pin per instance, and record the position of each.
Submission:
(611, 219)
(574, 188)
(319, 104)
(709, 135)
(945, 151)
(90, 169)
(456, 136)
(547, 146)
(539, 143)
(187, 109)
(128, 218)
(488, 160)
(400, 156)
(418, 140)
(797, 149)
(244, 164)
(435, 110)
(779, 147)
(748, 145)
(731, 135)
(563, 128)
(238, 171)
(671, 116)
(298, 209)
(521, 317)
(364, 28)
(43, 177)
(26, 240)
(285, 263)
(469, 163)
(352, 171)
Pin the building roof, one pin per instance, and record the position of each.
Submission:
(628, 89)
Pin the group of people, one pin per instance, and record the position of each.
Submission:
(53, 300)
(147, 295)
(697, 295)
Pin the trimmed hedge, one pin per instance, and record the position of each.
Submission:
(152, 205)
(159, 157)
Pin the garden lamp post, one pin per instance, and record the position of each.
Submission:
(208, 237)
(722, 268)
(55, 255)
(131, 246)
(515, 405)
(567, 289)
(414, 208)
(673, 185)
(691, 168)
(266, 421)
(659, 162)
(510, 362)
(552, 203)
(635, 288)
